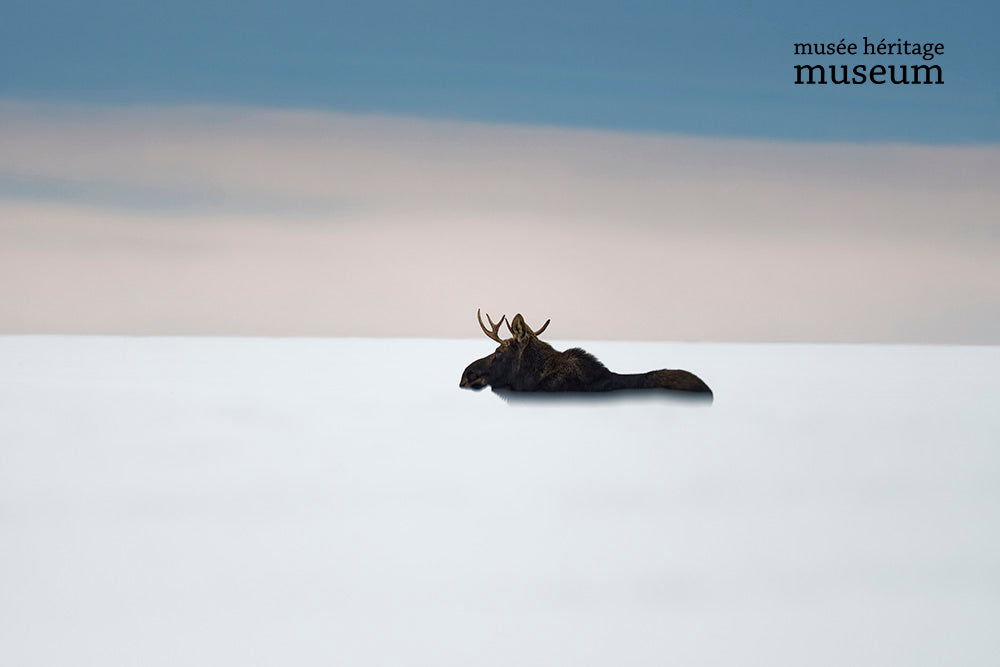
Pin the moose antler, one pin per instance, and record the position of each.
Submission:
(494, 335)
(539, 332)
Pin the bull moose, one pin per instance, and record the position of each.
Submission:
(524, 363)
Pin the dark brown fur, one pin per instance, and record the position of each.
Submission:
(524, 363)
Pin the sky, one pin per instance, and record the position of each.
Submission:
(715, 68)
(632, 170)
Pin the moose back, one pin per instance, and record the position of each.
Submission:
(524, 363)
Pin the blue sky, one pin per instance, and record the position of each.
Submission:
(233, 168)
(718, 69)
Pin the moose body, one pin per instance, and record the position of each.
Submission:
(524, 363)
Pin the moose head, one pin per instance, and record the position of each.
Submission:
(524, 363)
(501, 369)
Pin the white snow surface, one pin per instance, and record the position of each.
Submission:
(214, 501)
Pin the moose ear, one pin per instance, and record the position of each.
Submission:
(519, 328)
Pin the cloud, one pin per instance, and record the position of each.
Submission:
(252, 221)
